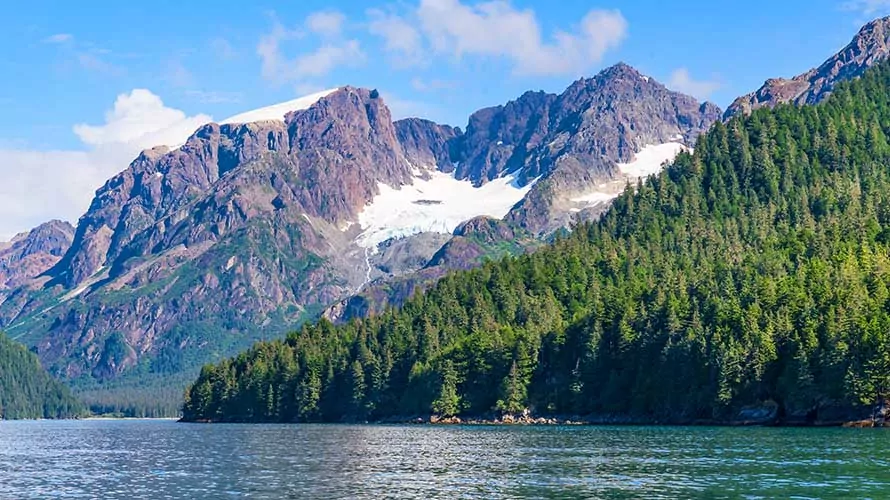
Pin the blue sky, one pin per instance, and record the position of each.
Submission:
(66, 63)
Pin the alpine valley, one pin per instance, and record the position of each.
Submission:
(325, 207)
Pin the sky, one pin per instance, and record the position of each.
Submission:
(87, 85)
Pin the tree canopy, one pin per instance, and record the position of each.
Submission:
(754, 269)
(27, 390)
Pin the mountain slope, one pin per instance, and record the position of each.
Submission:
(30, 254)
(869, 47)
(247, 229)
(750, 281)
(27, 390)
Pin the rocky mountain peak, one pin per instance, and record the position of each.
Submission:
(870, 46)
(31, 253)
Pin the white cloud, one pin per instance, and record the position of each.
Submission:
(178, 75)
(497, 29)
(405, 108)
(331, 54)
(140, 118)
(274, 64)
(328, 57)
(328, 24)
(59, 38)
(214, 96)
(223, 49)
(399, 37)
(43, 185)
(421, 85)
(682, 81)
(96, 64)
(867, 7)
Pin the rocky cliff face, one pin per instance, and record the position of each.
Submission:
(30, 254)
(590, 128)
(249, 228)
(870, 46)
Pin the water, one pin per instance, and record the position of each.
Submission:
(163, 459)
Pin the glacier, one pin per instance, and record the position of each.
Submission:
(438, 203)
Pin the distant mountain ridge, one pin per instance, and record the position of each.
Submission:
(246, 229)
(31, 253)
(870, 46)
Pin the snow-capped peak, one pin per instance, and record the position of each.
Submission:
(277, 111)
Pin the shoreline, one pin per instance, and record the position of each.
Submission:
(574, 421)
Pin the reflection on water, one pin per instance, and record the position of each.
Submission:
(163, 459)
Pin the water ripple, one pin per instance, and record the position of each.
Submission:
(165, 460)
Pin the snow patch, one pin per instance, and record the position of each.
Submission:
(595, 198)
(650, 160)
(277, 111)
(83, 287)
(437, 204)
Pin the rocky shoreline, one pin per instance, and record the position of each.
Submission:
(766, 414)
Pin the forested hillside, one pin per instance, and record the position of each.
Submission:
(754, 270)
(27, 391)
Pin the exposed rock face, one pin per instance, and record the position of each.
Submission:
(30, 254)
(869, 47)
(569, 143)
(593, 125)
(248, 229)
(427, 143)
(155, 185)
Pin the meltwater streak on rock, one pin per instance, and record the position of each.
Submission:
(136, 460)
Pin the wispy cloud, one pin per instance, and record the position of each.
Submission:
(497, 29)
(334, 50)
(422, 85)
(177, 75)
(327, 24)
(867, 7)
(400, 38)
(59, 38)
(214, 97)
(92, 62)
(223, 49)
(682, 81)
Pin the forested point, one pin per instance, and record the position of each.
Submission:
(752, 272)
(27, 391)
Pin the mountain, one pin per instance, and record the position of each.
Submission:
(749, 282)
(574, 153)
(29, 254)
(27, 390)
(869, 47)
(257, 223)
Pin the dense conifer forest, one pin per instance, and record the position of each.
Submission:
(27, 390)
(754, 270)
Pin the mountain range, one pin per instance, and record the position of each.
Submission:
(325, 205)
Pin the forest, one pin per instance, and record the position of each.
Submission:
(753, 270)
(27, 391)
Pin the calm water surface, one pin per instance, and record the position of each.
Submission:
(164, 459)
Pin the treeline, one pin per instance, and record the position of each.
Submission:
(27, 390)
(755, 269)
(150, 398)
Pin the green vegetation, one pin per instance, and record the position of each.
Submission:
(27, 390)
(755, 270)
